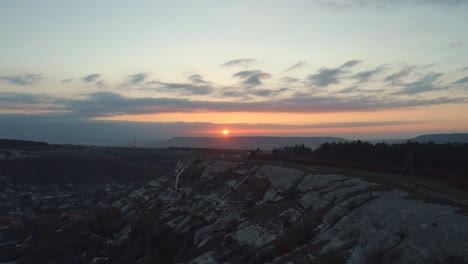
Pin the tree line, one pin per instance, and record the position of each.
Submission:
(442, 161)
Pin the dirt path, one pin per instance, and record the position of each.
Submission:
(425, 191)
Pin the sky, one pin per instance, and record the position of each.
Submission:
(72, 71)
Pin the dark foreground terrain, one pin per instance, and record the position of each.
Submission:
(72, 204)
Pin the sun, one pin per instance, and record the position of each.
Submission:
(225, 132)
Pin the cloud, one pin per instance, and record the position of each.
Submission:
(426, 83)
(364, 76)
(22, 102)
(91, 78)
(244, 62)
(101, 104)
(197, 78)
(267, 92)
(465, 69)
(247, 94)
(67, 81)
(354, 89)
(22, 98)
(22, 80)
(289, 80)
(350, 63)
(96, 79)
(101, 84)
(296, 66)
(397, 76)
(109, 104)
(463, 80)
(326, 77)
(329, 76)
(235, 94)
(252, 78)
(197, 86)
(184, 88)
(137, 78)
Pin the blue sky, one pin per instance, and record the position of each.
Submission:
(365, 59)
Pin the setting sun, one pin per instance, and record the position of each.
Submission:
(225, 132)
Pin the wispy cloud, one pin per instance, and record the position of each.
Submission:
(267, 92)
(137, 78)
(463, 80)
(328, 76)
(249, 94)
(427, 83)
(289, 80)
(22, 80)
(197, 78)
(185, 88)
(350, 63)
(243, 62)
(356, 89)
(252, 78)
(96, 79)
(23, 98)
(109, 104)
(395, 77)
(364, 76)
(67, 80)
(91, 78)
(29, 102)
(197, 86)
(296, 66)
(235, 93)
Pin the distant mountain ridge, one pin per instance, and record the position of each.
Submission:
(247, 142)
(15, 143)
(443, 138)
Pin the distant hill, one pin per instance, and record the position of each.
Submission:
(13, 143)
(443, 138)
(264, 143)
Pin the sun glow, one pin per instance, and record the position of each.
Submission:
(225, 132)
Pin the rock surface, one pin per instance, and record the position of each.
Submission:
(238, 212)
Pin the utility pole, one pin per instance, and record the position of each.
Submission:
(411, 163)
(370, 186)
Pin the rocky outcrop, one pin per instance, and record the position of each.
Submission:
(238, 212)
(247, 209)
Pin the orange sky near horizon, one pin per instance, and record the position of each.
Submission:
(439, 118)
